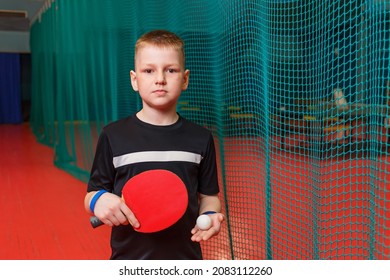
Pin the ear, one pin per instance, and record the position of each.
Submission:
(133, 79)
(186, 79)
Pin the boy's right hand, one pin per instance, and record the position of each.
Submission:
(113, 211)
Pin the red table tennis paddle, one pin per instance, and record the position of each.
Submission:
(158, 199)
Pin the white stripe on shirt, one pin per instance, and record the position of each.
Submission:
(156, 156)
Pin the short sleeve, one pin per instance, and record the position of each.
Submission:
(208, 176)
(102, 174)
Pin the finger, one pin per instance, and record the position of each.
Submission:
(120, 219)
(196, 237)
(208, 234)
(199, 236)
(114, 220)
(129, 216)
(202, 235)
(109, 220)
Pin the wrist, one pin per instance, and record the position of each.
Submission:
(95, 198)
(209, 213)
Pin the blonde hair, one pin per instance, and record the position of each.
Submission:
(162, 39)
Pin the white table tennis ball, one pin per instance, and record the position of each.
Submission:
(203, 222)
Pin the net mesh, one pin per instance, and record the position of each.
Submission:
(296, 93)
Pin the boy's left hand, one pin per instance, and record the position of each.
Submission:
(203, 235)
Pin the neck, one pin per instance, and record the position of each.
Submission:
(157, 118)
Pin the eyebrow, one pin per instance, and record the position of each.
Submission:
(165, 66)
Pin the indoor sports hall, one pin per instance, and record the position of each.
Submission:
(296, 94)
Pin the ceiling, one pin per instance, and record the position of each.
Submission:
(16, 17)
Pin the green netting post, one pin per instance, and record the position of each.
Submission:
(221, 136)
(220, 113)
(264, 38)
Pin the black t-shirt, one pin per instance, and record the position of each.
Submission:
(128, 147)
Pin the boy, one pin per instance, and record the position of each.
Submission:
(159, 77)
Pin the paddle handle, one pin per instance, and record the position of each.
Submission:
(95, 222)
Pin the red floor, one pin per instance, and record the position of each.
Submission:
(42, 214)
(41, 206)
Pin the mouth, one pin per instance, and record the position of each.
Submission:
(160, 91)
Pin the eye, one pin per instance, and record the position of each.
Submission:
(172, 70)
(148, 71)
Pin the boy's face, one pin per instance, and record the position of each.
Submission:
(159, 77)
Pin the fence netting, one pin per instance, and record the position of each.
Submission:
(296, 93)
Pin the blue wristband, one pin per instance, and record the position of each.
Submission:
(95, 198)
(209, 212)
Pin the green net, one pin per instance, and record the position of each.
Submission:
(296, 93)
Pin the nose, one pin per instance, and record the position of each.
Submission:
(160, 78)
